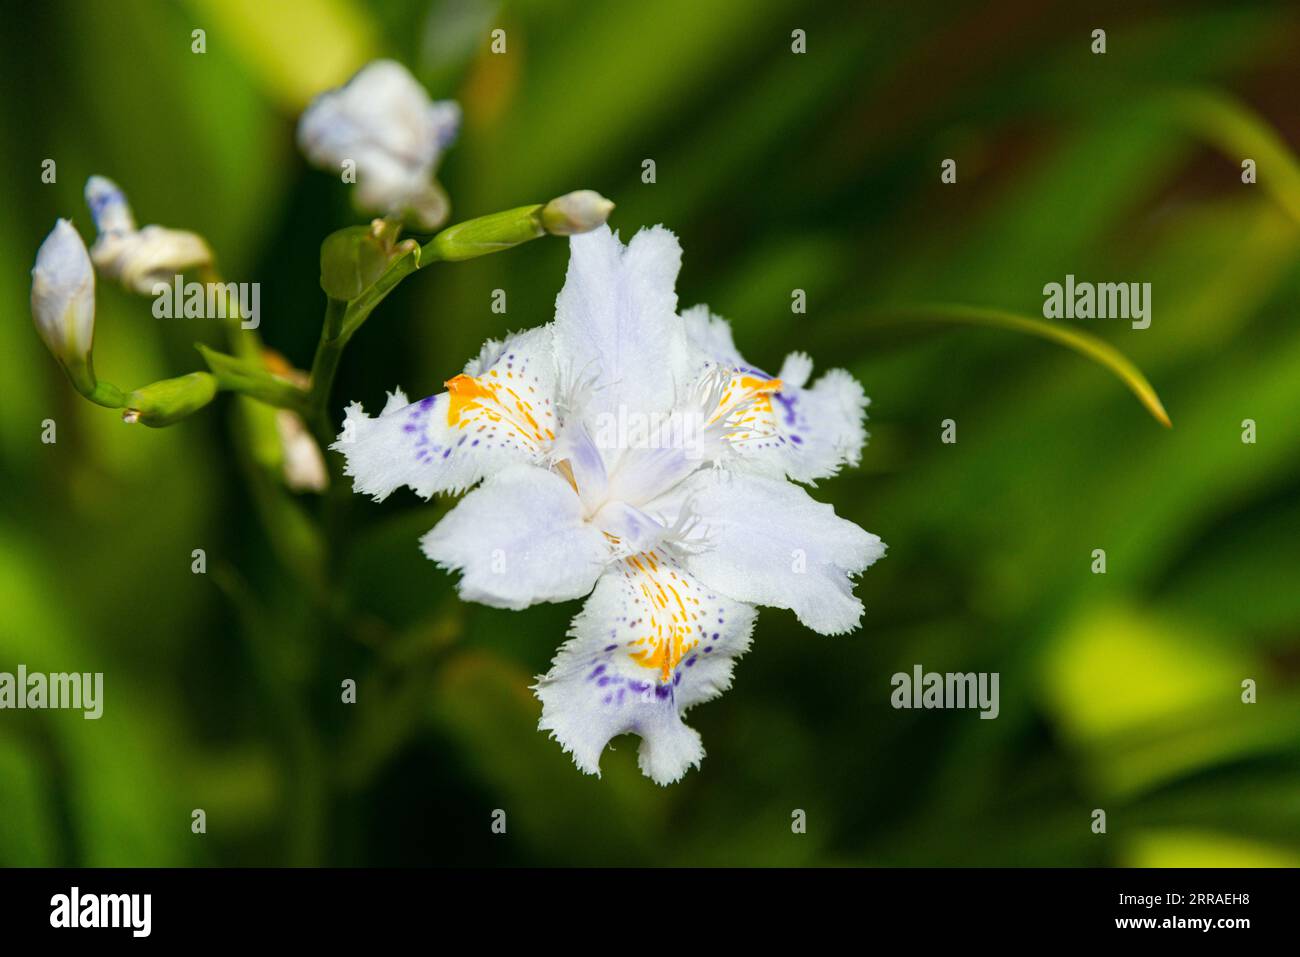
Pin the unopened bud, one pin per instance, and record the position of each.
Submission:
(578, 212)
(63, 302)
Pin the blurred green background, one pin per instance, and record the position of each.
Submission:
(777, 171)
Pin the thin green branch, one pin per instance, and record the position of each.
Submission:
(240, 375)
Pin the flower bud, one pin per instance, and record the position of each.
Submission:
(170, 400)
(108, 206)
(138, 258)
(578, 212)
(63, 302)
(384, 124)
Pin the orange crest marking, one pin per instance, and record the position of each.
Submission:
(482, 401)
(748, 398)
(669, 623)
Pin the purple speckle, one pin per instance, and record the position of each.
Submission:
(787, 403)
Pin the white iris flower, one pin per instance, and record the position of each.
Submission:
(383, 121)
(630, 453)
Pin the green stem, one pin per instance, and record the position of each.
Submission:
(284, 687)
(342, 319)
(359, 309)
(107, 395)
(324, 366)
(253, 380)
(299, 545)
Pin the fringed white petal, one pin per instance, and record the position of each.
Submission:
(447, 442)
(766, 541)
(650, 643)
(813, 432)
(519, 539)
(616, 321)
(710, 339)
(785, 429)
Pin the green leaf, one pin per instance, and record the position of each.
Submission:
(1083, 343)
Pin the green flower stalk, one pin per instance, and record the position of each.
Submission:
(571, 214)
(170, 400)
(487, 234)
